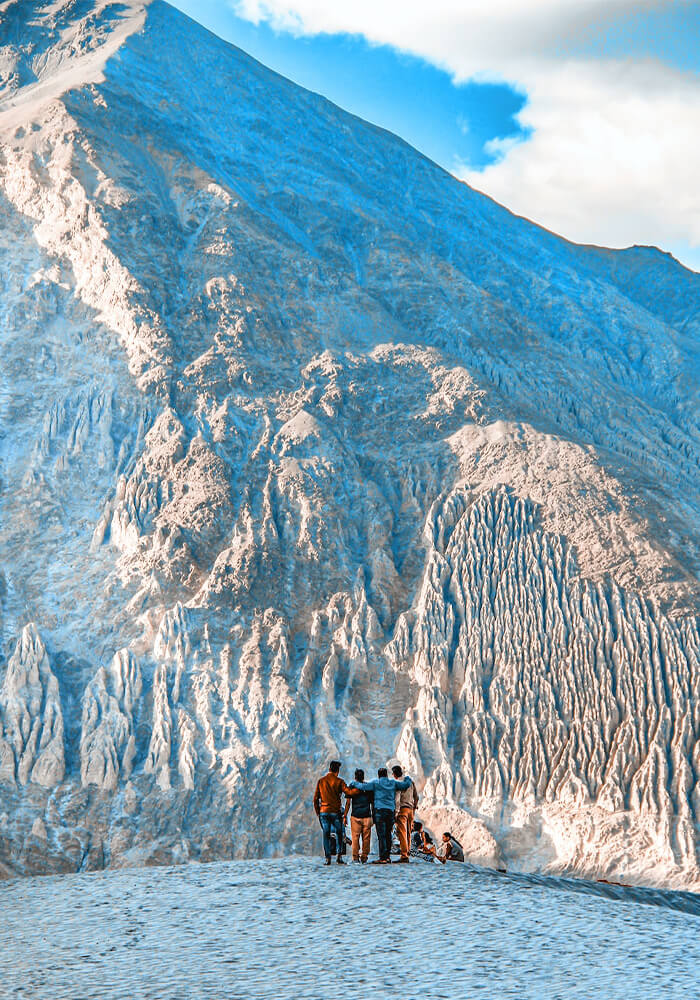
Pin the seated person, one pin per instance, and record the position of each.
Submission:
(451, 849)
(417, 837)
(428, 846)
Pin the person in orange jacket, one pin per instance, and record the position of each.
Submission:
(328, 808)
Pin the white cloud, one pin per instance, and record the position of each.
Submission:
(614, 151)
(613, 157)
(469, 37)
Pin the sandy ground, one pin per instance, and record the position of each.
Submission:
(292, 928)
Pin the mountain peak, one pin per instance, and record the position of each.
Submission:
(50, 48)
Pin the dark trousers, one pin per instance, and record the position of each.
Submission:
(384, 822)
(331, 822)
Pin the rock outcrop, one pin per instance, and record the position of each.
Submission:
(31, 737)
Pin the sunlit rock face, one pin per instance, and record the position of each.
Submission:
(310, 450)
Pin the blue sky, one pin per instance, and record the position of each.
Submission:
(580, 114)
(396, 90)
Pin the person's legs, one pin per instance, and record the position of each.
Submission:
(384, 820)
(366, 828)
(389, 821)
(338, 830)
(400, 831)
(326, 824)
(379, 824)
(403, 826)
(409, 827)
(356, 829)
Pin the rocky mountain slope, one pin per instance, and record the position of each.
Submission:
(308, 449)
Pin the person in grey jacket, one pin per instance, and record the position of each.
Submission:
(385, 789)
(406, 805)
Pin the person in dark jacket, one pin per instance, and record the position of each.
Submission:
(417, 837)
(361, 820)
(451, 850)
(328, 808)
(385, 790)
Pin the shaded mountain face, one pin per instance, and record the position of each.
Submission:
(309, 450)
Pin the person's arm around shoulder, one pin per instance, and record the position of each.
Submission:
(405, 783)
(362, 786)
(351, 789)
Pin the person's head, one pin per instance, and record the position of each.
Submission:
(446, 836)
(427, 838)
(334, 766)
(382, 773)
(397, 770)
(359, 774)
(417, 825)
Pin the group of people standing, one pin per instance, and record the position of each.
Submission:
(383, 802)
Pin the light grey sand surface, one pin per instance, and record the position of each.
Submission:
(291, 928)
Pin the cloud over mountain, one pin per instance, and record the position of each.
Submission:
(613, 148)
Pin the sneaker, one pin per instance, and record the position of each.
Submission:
(381, 861)
(327, 861)
(402, 861)
(340, 860)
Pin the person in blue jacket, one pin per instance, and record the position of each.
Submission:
(385, 789)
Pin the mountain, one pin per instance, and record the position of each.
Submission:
(310, 450)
